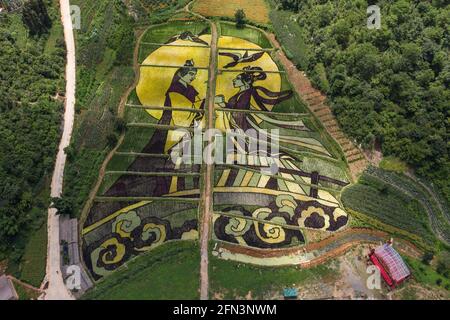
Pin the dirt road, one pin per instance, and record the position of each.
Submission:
(208, 190)
(56, 289)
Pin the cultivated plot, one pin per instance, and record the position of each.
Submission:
(149, 197)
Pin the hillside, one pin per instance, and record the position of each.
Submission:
(387, 87)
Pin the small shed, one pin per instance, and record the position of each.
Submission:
(7, 290)
(290, 293)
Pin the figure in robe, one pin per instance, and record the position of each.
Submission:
(250, 97)
(180, 94)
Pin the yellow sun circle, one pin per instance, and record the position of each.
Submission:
(155, 81)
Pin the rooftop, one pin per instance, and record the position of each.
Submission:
(393, 262)
(290, 293)
(7, 291)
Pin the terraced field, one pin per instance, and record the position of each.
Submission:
(146, 197)
(440, 223)
(399, 201)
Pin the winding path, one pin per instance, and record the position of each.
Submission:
(55, 288)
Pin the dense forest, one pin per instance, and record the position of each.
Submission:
(31, 77)
(35, 16)
(387, 87)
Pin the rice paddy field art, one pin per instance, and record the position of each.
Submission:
(148, 198)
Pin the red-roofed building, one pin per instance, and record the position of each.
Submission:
(391, 265)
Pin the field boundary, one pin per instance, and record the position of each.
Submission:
(373, 237)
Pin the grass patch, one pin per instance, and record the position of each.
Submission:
(232, 279)
(24, 293)
(169, 272)
(389, 205)
(359, 220)
(425, 274)
(161, 34)
(291, 36)
(33, 264)
(393, 164)
(248, 33)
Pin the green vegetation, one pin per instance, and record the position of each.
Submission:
(34, 260)
(162, 33)
(169, 272)
(35, 16)
(393, 164)
(427, 275)
(382, 201)
(389, 85)
(240, 18)
(413, 188)
(104, 62)
(397, 204)
(291, 37)
(231, 279)
(154, 12)
(24, 293)
(32, 77)
(250, 34)
(64, 206)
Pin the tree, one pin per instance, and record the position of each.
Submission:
(112, 140)
(120, 125)
(64, 206)
(240, 17)
(427, 257)
(35, 16)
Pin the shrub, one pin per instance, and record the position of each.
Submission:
(427, 257)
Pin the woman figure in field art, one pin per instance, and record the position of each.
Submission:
(180, 94)
(250, 97)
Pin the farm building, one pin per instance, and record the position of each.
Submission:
(391, 265)
(290, 294)
(7, 291)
